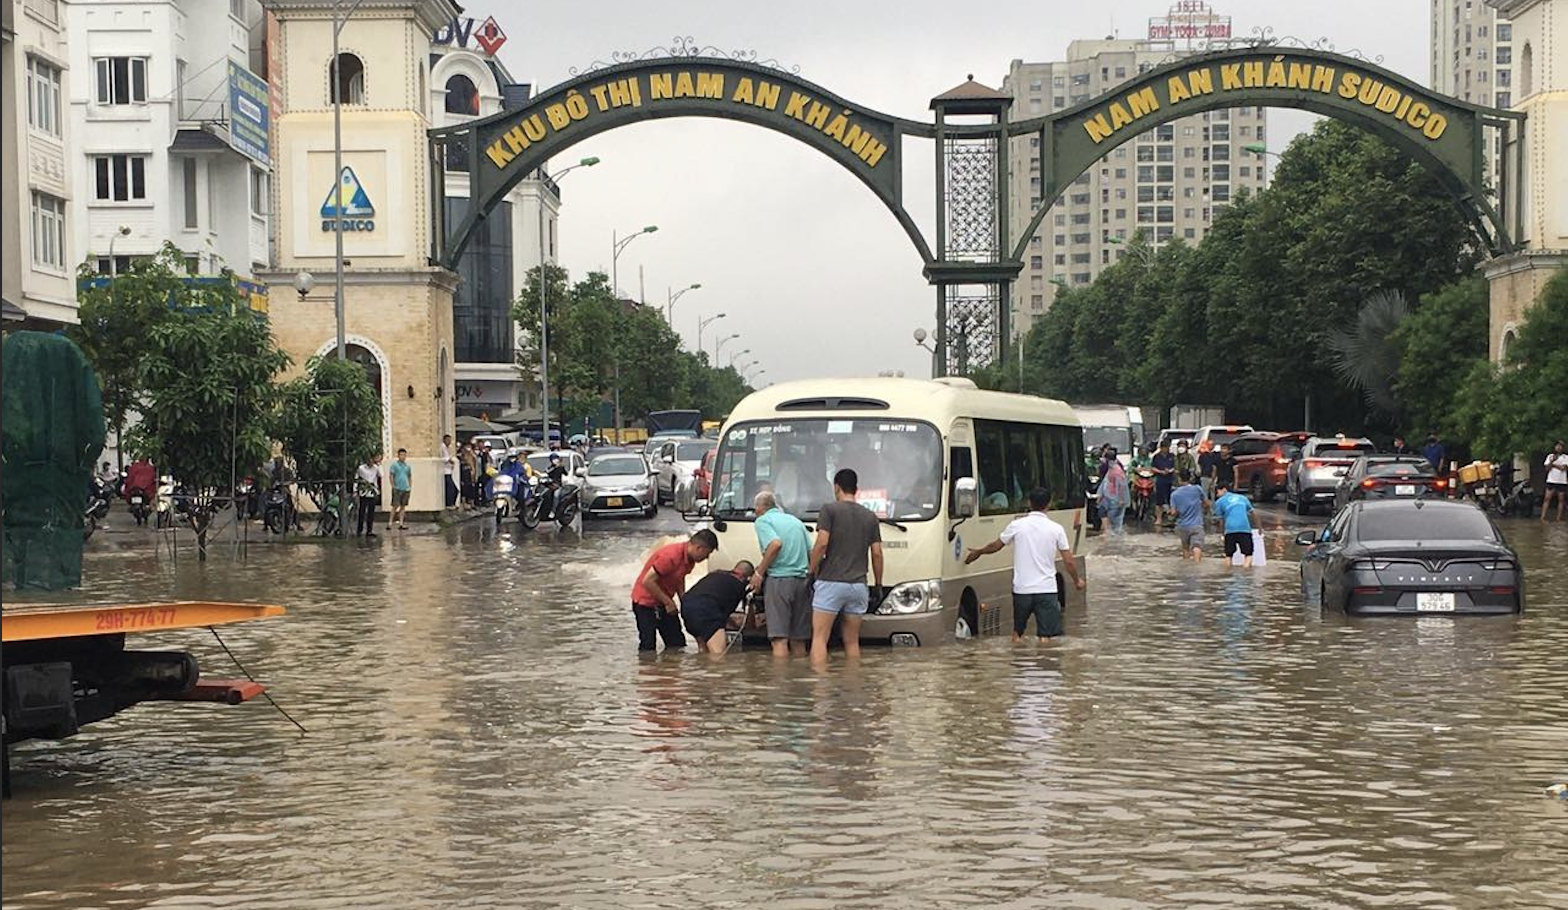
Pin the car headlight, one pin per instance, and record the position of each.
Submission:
(913, 597)
(641, 486)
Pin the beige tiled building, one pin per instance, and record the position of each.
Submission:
(1170, 181)
(1472, 52)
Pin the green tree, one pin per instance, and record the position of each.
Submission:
(329, 421)
(1518, 408)
(208, 398)
(115, 316)
(1440, 343)
(1367, 354)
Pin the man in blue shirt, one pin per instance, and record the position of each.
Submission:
(786, 555)
(1235, 510)
(1190, 504)
(1434, 453)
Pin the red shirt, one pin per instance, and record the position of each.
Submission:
(673, 564)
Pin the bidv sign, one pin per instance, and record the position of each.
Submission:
(487, 34)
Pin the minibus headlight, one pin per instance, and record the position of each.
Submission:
(913, 597)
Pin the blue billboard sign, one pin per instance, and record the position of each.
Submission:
(248, 113)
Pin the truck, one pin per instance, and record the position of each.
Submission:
(1193, 416)
(1116, 425)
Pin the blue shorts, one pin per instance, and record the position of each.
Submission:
(847, 597)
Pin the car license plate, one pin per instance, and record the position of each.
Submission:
(1404, 489)
(613, 501)
(136, 500)
(1435, 602)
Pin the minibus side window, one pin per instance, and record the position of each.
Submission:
(962, 464)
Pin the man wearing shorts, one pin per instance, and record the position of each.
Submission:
(1235, 510)
(706, 608)
(786, 556)
(402, 486)
(846, 532)
(1164, 472)
(1190, 503)
(661, 579)
(1556, 480)
(1036, 542)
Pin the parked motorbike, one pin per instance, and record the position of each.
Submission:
(327, 521)
(246, 500)
(1142, 493)
(1517, 501)
(97, 507)
(1091, 497)
(140, 504)
(275, 513)
(165, 504)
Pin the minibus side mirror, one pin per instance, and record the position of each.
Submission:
(966, 497)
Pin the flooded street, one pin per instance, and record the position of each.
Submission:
(482, 733)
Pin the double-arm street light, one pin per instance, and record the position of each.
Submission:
(617, 244)
(544, 313)
(735, 355)
(718, 346)
(703, 324)
(671, 297)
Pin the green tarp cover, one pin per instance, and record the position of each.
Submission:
(51, 433)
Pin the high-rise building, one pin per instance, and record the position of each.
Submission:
(1169, 182)
(39, 252)
(468, 80)
(170, 137)
(1472, 52)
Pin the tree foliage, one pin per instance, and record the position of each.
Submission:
(1244, 317)
(115, 314)
(208, 398)
(1439, 344)
(329, 421)
(596, 343)
(1518, 407)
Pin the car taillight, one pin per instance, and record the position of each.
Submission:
(1440, 484)
(1368, 484)
(1282, 461)
(1314, 463)
(1366, 589)
(1501, 589)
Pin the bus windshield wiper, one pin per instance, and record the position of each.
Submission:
(889, 521)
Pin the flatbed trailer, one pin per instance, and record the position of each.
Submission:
(66, 665)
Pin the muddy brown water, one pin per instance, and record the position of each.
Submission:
(483, 734)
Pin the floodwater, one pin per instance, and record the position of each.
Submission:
(483, 734)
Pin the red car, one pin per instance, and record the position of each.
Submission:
(704, 475)
(1262, 460)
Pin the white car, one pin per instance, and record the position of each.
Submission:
(500, 446)
(618, 484)
(675, 464)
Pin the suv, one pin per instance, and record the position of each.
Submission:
(675, 463)
(1262, 461)
(1170, 436)
(1212, 437)
(1388, 477)
(1314, 476)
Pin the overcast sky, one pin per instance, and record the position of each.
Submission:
(811, 270)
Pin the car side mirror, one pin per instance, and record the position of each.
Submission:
(581, 472)
(966, 497)
(669, 459)
(1306, 538)
(685, 499)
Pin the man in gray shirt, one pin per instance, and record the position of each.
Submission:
(846, 532)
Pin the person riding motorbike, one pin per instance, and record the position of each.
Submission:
(554, 478)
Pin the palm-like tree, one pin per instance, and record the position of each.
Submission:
(1366, 356)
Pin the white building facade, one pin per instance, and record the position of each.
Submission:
(37, 187)
(1169, 182)
(154, 133)
(467, 81)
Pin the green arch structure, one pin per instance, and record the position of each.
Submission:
(1442, 133)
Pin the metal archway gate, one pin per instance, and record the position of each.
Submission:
(976, 253)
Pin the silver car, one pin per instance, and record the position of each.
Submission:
(618, 484)
(1314, 476)
(675, 463)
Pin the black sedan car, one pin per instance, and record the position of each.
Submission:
(1388, 477)
(1404, 557)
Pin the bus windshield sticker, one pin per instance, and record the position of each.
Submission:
(876, 501)
(840, 427)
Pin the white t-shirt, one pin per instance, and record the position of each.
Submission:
(448, 464)
(1036, 540)
(1559, 468)
(370, 479)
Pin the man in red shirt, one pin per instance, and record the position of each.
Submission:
(661, 580)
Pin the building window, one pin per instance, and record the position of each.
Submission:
(461, 96)
(237, 9)
(1505, 31)
(258, 192)
(48, 231)
(1059, 239)
(193, 264)
(1037, 302)
(119, 178)
(188, 182)
(347, 80)
(1034, 85)
(1502, 78)
(118, 265)
(1058, 102)
(122, 80)
(481, 308)
(1505, 99)
(1037, 262)
(1061, 258)
(43, 96)
(1221, 192)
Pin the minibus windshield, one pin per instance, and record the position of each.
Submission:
(899, 463)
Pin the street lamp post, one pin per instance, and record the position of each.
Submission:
(735, 355)
(669, 306)
(718, 346)
(544, 317)
(920, 341)
(617, 244)
(702, 324)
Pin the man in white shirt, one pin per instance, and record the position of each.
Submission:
(1556, 480)
(449, 470)
(1036, 542)
(369, 492)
